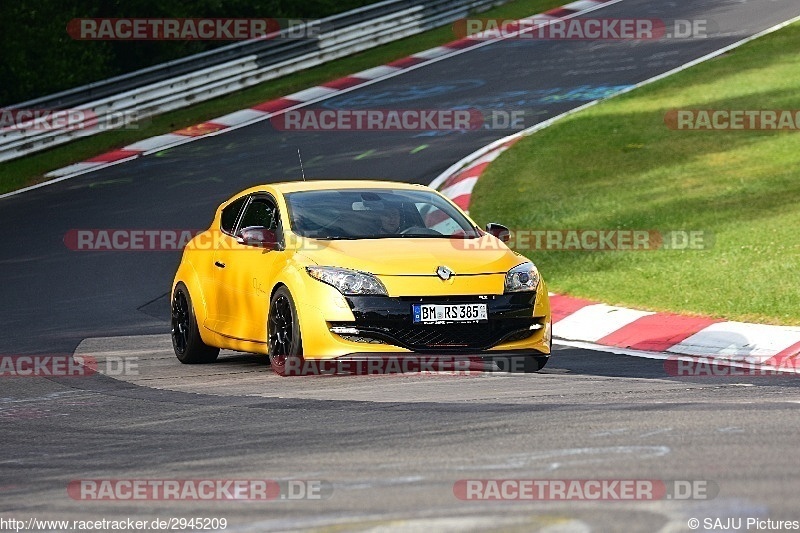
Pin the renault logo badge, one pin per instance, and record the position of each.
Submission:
(444, 273)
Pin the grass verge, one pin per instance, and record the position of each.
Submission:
(29, 170)
(617, 165)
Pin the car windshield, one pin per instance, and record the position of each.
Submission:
(375, 214)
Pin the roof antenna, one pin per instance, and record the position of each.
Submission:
(302, 172)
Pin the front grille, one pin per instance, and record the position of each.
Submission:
(447, 336)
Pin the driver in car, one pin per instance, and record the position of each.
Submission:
(390, 219)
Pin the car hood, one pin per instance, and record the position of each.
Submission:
(414, 256)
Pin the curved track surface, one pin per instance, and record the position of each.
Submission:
(392, 446)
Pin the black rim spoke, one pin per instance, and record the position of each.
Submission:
(180, 321)
(280, 330)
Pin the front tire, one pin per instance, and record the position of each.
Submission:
(283, 334)
(519, 364)
(535, 363)
(186, 341)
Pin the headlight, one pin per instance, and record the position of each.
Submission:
(349, 282)
(522, 278)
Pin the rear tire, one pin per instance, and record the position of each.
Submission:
(186, 341)
(283, 334)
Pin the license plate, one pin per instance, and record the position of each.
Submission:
(444, 313)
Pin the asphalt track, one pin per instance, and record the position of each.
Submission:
(391, 446)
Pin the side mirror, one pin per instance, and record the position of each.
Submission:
(258, 237)
(499, 231)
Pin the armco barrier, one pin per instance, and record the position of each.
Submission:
(184, 82)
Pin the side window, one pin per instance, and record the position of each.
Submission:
(231, 214)
(260, 212)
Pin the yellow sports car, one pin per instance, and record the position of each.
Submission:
(338, 270)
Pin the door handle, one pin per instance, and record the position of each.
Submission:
(219, 264)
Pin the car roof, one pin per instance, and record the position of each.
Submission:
(333, 184)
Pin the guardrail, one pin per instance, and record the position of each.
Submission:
(138, 95)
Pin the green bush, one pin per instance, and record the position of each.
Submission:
(40, 58)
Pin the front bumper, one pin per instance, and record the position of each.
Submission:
(512, 324)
